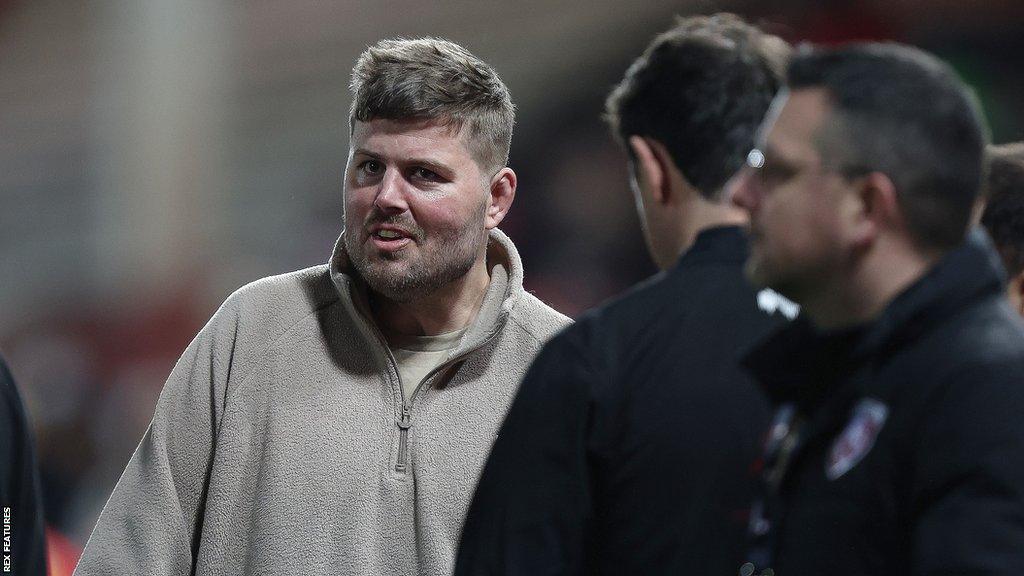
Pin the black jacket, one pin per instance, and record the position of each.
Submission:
(910, 455)
(627, 449)
(20, 509)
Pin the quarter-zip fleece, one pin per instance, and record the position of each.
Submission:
(281, 443)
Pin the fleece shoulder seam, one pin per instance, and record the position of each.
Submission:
(529, 330)
(262, 355)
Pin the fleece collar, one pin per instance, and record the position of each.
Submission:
(503, 264)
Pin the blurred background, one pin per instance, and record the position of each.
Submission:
(157, 154)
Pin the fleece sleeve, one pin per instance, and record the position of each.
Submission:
(20, 506)
(969, 485)
(531, 509)
(150, 525)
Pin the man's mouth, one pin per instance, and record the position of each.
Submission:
(389, 239)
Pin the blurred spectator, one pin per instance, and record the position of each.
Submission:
(1003, 217)
(897, 445)
(61, 554)
(24, 543)
(57, 370)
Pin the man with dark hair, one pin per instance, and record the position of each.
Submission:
(628, 447)
(898, 444)
(334, 420)
(22, 539)
(1003, 217)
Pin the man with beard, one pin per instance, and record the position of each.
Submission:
(629, 445)
(334, 420)
(898, 444)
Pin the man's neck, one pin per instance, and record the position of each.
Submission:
(449, 308)
(861, 297)
(701, 215)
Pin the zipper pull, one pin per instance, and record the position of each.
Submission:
(404, 423)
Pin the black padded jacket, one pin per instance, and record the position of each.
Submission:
(898, 447)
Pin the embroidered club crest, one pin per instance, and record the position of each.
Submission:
(856, 440)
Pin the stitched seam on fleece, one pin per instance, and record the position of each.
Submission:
(261, 361)
(537, 338)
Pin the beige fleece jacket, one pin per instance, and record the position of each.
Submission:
(279, 443)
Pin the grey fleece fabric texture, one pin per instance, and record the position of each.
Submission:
(274, 445)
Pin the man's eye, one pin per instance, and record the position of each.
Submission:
(774, 173)
(371, 167)
(424, 174)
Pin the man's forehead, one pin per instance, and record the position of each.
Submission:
(770, 117)
(431, 140)
(431, 128)
(793, 128)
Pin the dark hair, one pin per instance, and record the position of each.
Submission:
(903, 112)
(701, 89)
(434, 79)
(1003, 217)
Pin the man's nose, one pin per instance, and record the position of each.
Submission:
(390, 197)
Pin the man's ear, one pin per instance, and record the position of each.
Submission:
(977, 210)
(876, 208)
(502, 193)
(1016, 287)
(652, 172)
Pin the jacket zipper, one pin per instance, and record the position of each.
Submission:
(405, 421)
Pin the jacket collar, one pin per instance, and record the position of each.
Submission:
(503, 292)
(717, 244)
(799, 361)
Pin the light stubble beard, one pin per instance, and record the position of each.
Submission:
(454, 253)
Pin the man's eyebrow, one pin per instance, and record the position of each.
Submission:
(419, 161)
(774, 156)
(428, 163)
(365, 152)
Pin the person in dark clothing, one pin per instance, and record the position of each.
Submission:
(898, 444)
(627, 449)
(23, 547)
(1003, 217)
